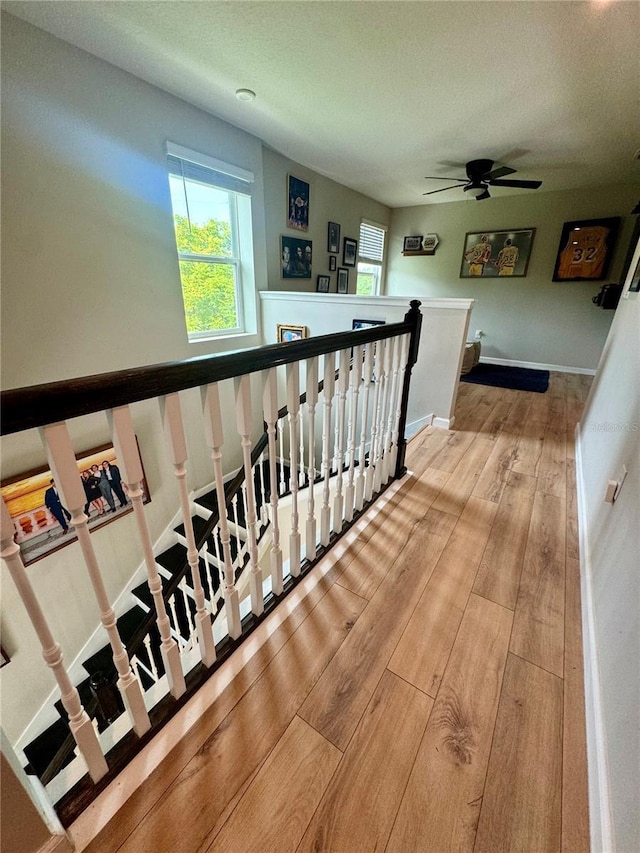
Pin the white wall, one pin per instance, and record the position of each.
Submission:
(435, 376)
(530, 319)
(609, 437)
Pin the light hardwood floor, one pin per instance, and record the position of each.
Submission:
(427, 695)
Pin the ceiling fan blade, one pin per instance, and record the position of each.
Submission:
(525, 185)
(500, 172)
(444, 189)
(443, 178)
(484, 195)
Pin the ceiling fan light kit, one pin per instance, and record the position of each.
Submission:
(480, 176)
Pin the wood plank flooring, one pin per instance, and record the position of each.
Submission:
(428, 694)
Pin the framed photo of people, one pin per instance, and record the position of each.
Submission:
(298, 215)
(585, 249)
(494, 254)
(42, 521)
(296, 257)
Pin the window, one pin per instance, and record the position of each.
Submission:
(211, 204)
(370, 258)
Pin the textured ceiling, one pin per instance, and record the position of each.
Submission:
(376, 95)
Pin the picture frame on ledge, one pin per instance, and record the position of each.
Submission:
(343, 280)
(323, 282)
(288, 333)
(349, 252)
(412, 244)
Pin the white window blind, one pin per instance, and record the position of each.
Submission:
(371, 242)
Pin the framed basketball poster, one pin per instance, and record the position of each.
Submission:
(585, 249)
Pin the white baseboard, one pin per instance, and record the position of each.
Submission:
(534, 365)
(414, 427)
(444, 423)
(598, 771)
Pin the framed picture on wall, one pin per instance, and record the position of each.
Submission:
(288, 333)
(343, 280)
(349, 252)
(332, 263)
(296, 257)
(333, 238)
(298, 216)
(322, 283)
(585, 249)
(490, 254)
(40, 518)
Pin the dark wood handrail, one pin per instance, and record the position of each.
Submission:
(39, 405)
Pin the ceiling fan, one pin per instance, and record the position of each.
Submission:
(480, 177)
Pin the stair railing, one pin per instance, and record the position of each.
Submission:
(381, 357)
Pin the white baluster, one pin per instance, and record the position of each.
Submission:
(301, 454)
(152, 663)
(264, 514)
(356, 376)
(312, 401)
(343, 385)
(207, 567)
(216, 545)
(79, 722)
(384, 405)
(404, 355)
(124, 440)
(374, 447)
(176, 624)
(234, 510)
(134, 667)
(63, 465)
(244, 422)
(283, 485)
(328, 391)
(174, 430)
(215, 440)
(293, 405)
(270, 407)
(186, 600)
(362, 459)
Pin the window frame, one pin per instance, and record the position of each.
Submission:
(240, 221)
(379, 264)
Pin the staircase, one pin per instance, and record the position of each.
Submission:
(55, 748)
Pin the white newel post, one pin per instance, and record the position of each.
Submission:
(63, 465)
(270, 407)
(367, 374)
(312, 401)
(215, 440)
(244, 422)
(328, 389)
(174, 430)
(293, 405)
(124, 441)
(343, 387)
(356, 376)
(79, 723)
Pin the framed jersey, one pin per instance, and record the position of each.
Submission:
(585, 249)
(489, 254)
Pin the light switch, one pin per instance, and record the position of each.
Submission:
(610, 494)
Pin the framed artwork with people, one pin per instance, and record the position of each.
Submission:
(296, 257)
(288, 333)
(298, 214)
(40, 517)
(494, 254)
